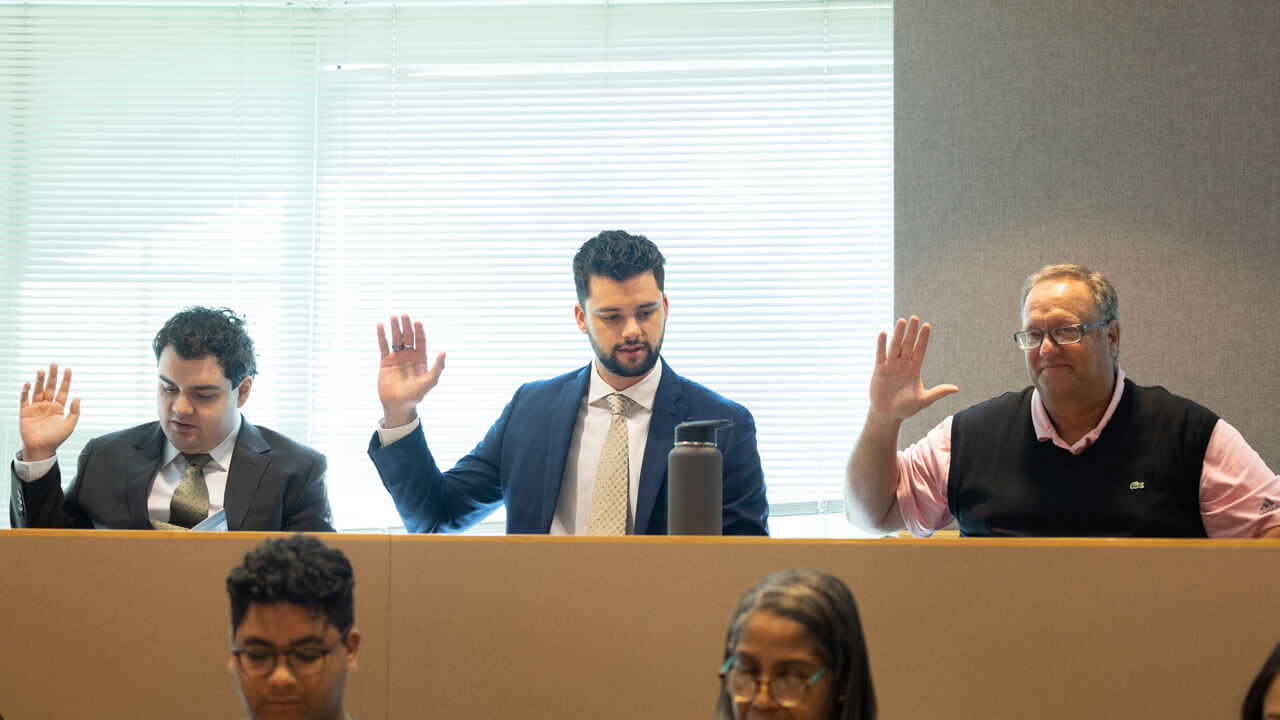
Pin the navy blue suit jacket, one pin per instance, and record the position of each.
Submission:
(274, 484)
(521, 461)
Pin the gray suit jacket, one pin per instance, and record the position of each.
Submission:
(274, 484)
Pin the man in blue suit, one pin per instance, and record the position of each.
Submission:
(578, 453)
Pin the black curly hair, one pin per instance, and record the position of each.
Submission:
(199, 331)
(615, 254)
(299, 570)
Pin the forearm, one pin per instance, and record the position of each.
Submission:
(429, 500)
(39, 502)
(871, 478)
(31, 471)
(388, 434)
(398, 415)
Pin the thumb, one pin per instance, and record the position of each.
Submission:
(437, 367)
(938, 392)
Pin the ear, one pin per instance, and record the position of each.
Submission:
(666, 310)
(1113, 336)
(242, 392)
(353, 644)
(580, 316)
(231, 661)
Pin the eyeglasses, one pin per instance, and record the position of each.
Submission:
(1065, 335)
(304, 661)
(788, 691)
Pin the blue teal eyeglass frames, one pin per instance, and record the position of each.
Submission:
(788, 691)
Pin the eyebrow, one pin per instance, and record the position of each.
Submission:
(785, 664)
(646, 306)
(167, 381)
(296, 642)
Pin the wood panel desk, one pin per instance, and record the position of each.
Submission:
(135, 624)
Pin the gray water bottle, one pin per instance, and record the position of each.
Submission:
(695, 480)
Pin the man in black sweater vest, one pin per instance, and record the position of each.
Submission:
(1083, 451)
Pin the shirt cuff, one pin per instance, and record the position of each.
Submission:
(32, 471)
(387, 435)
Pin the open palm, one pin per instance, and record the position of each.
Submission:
(896, 388)
(404, 378)
(41, 420)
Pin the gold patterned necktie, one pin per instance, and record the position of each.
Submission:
(190, 503)
(609, 498)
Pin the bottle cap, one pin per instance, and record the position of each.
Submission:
(699, 431)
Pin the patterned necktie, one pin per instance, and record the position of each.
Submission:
(609, 498)
(190, 503)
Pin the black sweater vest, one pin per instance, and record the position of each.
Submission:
(1140, 478)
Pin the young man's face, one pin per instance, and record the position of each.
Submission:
(624, 320)
(195, 402)
(282, 694)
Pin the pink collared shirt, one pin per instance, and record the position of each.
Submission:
(1239, 495)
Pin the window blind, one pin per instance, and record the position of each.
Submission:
(320, 168)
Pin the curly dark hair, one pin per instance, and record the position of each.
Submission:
(199, 331)
(615, 254)
(299, 570)
(823, 604)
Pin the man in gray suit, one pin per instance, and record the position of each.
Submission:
(199, 458)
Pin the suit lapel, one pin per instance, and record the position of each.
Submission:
(249, 461)
(667, 413)
(140, 470)
(564, 416)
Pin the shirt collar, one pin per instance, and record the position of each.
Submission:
(1045, 431)
(642, 393)
(221, 454)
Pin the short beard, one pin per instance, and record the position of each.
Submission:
(611, 362)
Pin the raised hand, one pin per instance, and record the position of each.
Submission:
(40, 415)
(403, 376)
(896, 388)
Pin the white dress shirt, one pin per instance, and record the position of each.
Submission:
(573, 510)
(174, 466)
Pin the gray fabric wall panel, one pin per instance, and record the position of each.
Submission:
(1141, 139)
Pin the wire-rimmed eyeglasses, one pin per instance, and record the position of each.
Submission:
(787, 691)
(303, 660)
(1065, 335)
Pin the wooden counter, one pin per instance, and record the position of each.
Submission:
(135, 624)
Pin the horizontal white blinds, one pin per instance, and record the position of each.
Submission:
(319, 169)
(154, 158)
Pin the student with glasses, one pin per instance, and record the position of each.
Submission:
(1082, 451)
(292, 635)
(795, 649)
